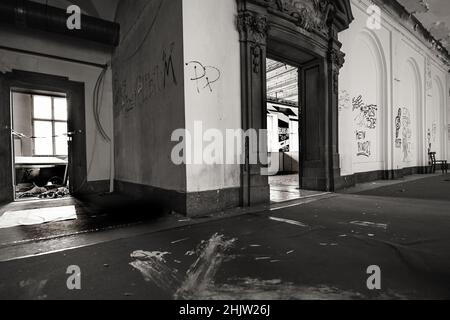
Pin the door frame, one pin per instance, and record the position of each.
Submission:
(311, 25)
(75, 94)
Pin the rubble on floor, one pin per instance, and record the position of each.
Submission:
(47, 192)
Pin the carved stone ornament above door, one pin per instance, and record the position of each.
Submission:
(310, 15)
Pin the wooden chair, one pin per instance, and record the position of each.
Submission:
(434, 163)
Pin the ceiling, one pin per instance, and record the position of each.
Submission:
(434, 15)
(282, 82)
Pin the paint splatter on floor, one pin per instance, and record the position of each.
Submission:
(33, 289)
(199, 281)
(211, 254)
(153, 268)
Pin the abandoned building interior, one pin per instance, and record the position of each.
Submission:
(93, 111)
(40, 146)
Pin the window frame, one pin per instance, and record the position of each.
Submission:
(52, 121)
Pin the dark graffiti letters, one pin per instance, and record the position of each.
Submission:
(131, 92)
(366, 119)
(357, 103)
(168, 65)
(398, 127)
(363, 145)
(204, 76)
(364, 149)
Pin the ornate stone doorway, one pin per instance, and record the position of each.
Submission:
(305, 34)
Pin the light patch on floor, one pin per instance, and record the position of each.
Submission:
(370, 224)
(284, 188)
(37, 216)
(293, 222)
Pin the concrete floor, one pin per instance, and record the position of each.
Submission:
(317, 250)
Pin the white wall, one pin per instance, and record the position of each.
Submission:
(98, 151)
(388, 68)
(211, 38)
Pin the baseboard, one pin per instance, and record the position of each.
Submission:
(93, 187)
(201, 203)
(154, 197)
(364, 177)
(190, 204)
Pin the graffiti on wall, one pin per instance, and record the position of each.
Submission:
(429, 80)
(203, 76)
(344, 100)
(145, 84)
(398, 127)
(367, 113)
(431, 136)
(434, 131)
(406, 134)
(366, 121)
(364, 146)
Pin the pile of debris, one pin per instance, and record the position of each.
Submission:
(47, 192)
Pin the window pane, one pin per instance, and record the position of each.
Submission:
(60, 108)
(61, 148)
(42, 107)
(43, 142)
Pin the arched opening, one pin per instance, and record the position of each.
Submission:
(410, 98)
(436, 124)
(365, 114)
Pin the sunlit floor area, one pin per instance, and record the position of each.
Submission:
(286, 188)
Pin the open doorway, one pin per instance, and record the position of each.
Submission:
(283, 129)
(43, 141)
(40, 145)
(311, 44)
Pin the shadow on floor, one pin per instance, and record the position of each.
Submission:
(93, 214)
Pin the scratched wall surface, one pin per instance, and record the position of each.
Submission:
(148, 93)
(212, 83)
